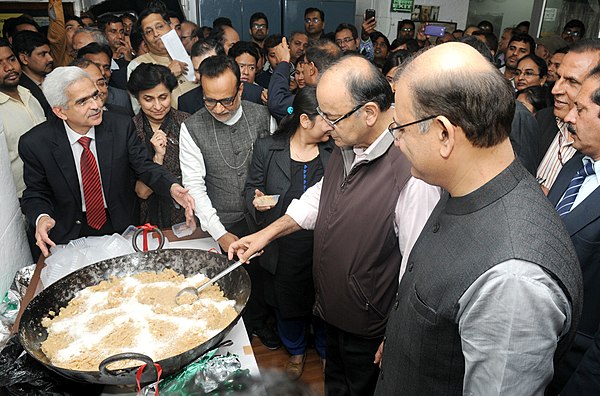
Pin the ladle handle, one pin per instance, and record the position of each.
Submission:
(224, 272)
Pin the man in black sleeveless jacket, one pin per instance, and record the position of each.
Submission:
(492, 292)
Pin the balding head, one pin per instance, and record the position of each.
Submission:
(455, 81)
(355, 97)
(362, 80)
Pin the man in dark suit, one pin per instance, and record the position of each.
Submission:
(576, 196)
(33, 51)
(80, 168)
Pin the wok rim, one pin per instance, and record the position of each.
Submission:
(126, 376)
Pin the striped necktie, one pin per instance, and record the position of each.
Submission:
(566, 203)
(92, 188)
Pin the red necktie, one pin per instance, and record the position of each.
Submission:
(92, 188)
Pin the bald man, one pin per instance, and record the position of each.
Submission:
(492, 294)
(366, 213)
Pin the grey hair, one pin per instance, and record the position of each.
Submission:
(56, 83)
(97, 35)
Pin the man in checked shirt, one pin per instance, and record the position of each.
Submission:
(555, 144)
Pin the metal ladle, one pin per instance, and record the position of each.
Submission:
(196, 290)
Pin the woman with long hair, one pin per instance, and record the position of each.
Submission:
(287, 164)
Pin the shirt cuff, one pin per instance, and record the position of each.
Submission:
(39, 217)
(302, 214)
(216, 230)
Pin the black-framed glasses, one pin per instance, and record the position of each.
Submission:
(225, 102)
(346, 40)
(395, 129)
(348, 114)
(313, 20)
(259, 26)
(574, 33)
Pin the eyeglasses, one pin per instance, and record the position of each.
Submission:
(346, 40)
(574, 33)
(395, 129)
(225, 102)
(313, 20)
(526, 73)
(259, 25)
(348, 114)
(407, 30)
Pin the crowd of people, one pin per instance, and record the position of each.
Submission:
(427, 206)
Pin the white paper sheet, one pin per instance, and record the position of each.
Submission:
(177, 51)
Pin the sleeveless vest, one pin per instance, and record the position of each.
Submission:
(507, 218)
(356, 253)
(227, 152)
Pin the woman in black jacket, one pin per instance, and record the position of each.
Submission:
(287, 164)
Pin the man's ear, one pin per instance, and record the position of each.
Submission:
(241, 89)
(446, 134)
(312, 69)
(372, 112)
(58, 111)
(23, 59)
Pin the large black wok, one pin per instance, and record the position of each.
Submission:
(235, 286)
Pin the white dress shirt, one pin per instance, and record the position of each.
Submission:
(193, 172)
(510, 320)
(415, 203)
(590, 183)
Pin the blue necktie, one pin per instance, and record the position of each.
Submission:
(566, 203)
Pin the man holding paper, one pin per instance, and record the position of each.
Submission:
(156, 30)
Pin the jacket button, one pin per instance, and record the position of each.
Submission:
(78, 222)
(410, 266)
(436, 227)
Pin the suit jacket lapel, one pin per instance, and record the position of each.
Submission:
(281, 155)
(63, 155)
(104, 148)
(585, 213)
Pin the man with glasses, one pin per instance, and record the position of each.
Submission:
(492, 293)
(154, 23)
(314, 23)
(80, 167)
(346, 37)
(573, 31)
(259, 28)
(189, 35)
(366, 213)
(406, 30)
(216, 146)
(101, 55)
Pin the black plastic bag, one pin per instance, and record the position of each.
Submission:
(22, 375)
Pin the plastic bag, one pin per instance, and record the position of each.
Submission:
(22, 375)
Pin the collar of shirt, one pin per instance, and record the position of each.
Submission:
(23, 93)
(74, 136)
(36, 82)
(114, 65)
(596, 165)
(236, 117)
(562, 129)
(362, 154)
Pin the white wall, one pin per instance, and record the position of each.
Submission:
(387, 22)
(511, 12)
